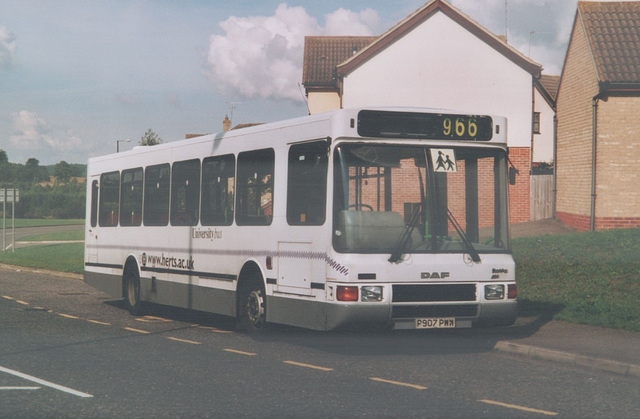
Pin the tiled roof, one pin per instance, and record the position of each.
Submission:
(613, 31)
(550, 84)
(323, 53)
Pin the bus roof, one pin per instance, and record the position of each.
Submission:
(333, 124)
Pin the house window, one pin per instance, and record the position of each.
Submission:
(536, 122)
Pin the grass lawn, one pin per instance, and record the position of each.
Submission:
(60, 236)
(590, 278)
(36, 222)
(55, 257)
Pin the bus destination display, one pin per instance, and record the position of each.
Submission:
(432, 126)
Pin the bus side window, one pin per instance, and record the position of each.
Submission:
(307, 184)
(156, 195)
(218, 189)
(109, 199)
(255, 187)
(185, 192)
(94, 203)
(131, 197)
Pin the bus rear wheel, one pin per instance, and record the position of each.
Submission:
(132, 292)
(252, 307)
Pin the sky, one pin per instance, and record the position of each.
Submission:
(80, 77)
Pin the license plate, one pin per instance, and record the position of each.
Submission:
(436, 323)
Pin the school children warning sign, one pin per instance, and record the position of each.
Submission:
(444, 160)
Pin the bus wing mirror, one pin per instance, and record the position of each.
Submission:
(512, 175)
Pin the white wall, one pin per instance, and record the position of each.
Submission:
(319, 102)
(440, 64)
(543, 142)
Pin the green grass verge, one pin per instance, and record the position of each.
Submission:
(37, 222)
(589, 278)
(56, 257)
(59, 236)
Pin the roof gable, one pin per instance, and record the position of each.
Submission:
(613, 34)
(419, 17)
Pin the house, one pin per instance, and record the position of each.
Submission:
(438, 57)
(598, 108)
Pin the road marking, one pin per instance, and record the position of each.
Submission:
(152, 319)
(193, 342)
(235, 351)
(131, 329)
(7, 297)
(98, 322)
(68, 316)
(398, 383)
(213, 329)
(24, 303)
(45, 383)
(515, 406)
(20, 388)
(315, 367)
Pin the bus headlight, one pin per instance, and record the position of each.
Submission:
(371, 293)
(494, 292)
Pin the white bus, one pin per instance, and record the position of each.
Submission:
(390, 216)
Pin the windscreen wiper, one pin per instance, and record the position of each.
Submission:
(465, 239)
(405, 236)
(413, 223)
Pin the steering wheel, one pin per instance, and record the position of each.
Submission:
(359, 207)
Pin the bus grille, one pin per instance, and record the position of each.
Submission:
(463, 310)
(433, 293)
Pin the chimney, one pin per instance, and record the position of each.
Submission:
(226, 123)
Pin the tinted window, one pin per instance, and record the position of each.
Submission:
(255, 187)
(109, 199)
(156, 195)
(131, 196)
(307, 184)
(185, 193)
(94, 203)
(218, 188)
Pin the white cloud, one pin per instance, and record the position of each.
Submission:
(261, 56)
(32, 133)
(346, 22)
(7, 47)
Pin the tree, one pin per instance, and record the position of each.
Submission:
(33, 172)
(62, 172)
(150, 138)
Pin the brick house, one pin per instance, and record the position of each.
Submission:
(438, 57)
(598, 112)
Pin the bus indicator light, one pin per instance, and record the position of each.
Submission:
(347, 293)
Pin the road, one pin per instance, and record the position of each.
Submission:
(66, 350)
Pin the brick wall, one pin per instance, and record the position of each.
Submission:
(618, 159)
(574, 134)
(519, 194)
(617, 148)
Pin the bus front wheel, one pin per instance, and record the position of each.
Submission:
(252, 307)
(132, 291)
